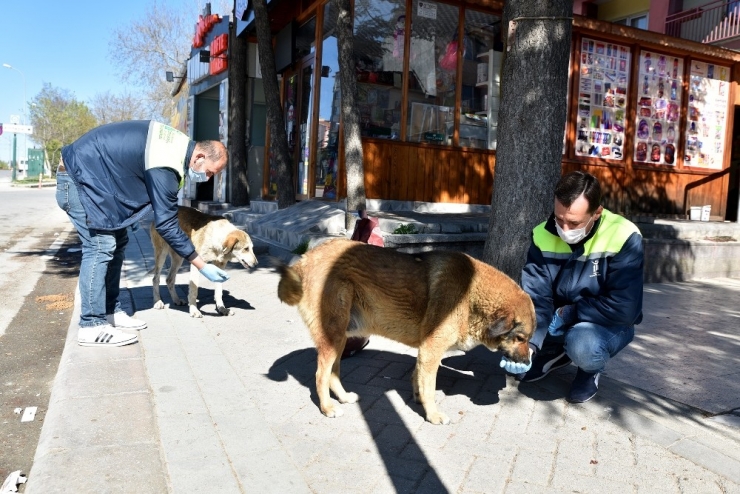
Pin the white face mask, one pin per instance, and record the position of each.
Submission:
(197, 176)
(573, 236)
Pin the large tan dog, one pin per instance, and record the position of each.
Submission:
(432, 301)
(216, 240)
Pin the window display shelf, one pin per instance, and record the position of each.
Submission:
(487, 87)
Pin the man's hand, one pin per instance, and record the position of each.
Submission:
(214, 274)
(556, 325)
(515, 367)
(563, 319)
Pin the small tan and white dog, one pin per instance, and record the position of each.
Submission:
(216, 240)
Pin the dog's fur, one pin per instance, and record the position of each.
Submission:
(216, 240)
(432, 301)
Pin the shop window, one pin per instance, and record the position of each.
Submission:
(658, 108)
(379, 48)
(481, 80)
(433, 72)
(329, 109)
(706, 125)
(305, 40)
(602, 99)
(290, 112)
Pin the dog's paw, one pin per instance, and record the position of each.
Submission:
(178, 301)
(349, 398)
(438, 418)
(333, 412)
(225, 311)
(194, 312)
(159, 305)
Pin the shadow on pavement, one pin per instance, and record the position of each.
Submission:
(383, 381)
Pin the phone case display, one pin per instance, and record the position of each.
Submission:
(707, 120)
(658, 108)
(602, 99)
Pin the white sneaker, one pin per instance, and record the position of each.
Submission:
(124, 321)
(105, 335)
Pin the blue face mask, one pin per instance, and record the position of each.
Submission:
(197, 176)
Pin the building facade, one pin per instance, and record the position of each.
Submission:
(651, 114)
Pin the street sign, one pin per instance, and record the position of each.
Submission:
(16, 129)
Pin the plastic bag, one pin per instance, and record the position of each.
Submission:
(367, 231)
(448, 60)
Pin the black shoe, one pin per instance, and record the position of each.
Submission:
(354, 345)
(584, 386)
(542, 365)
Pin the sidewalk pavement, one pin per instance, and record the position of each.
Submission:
(228, 405)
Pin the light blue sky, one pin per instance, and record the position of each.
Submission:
(64, 43)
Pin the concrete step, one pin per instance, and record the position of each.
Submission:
(688, 230)
(675, 250)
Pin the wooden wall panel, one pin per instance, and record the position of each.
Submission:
(401, 172)
(410, 172)
(429, 191)
(653, 190)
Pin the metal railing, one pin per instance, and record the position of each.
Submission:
(711, 23)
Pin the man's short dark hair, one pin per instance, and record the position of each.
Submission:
(212, 149)
(573, 184)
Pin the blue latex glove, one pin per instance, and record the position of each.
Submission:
(556, 325)
(515, 367)
(214, 274)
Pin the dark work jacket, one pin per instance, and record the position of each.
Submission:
(601, 276)
(125, 170)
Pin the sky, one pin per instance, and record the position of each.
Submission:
(64, 43)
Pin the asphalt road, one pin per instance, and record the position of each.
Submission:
(39, 263)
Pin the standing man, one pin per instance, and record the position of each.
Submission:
(584, 273)
(108, 180)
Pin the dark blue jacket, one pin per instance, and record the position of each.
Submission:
(125, 170)
(600, 276)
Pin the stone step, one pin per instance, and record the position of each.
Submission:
(675, 250)
(689, 230)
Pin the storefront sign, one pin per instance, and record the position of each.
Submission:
(203, 27)
(602, 99)
(706, 126)
(219, 46)
(658, 108)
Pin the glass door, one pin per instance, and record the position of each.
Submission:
(305, 127)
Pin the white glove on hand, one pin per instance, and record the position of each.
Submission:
(515, 367)
(214, 274)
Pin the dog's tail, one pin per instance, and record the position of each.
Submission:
(290, 288)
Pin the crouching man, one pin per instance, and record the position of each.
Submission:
(584, 273)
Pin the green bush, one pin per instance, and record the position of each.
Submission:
(301, 249)
(405, 230)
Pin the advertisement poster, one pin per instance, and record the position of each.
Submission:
(658, 108)
(707, 120)
(602, 99)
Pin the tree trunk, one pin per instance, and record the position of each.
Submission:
(534, 83)
(350, 114)
(238, 192)
(278, 136)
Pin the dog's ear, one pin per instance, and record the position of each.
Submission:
(498, 328)
(230, 241)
